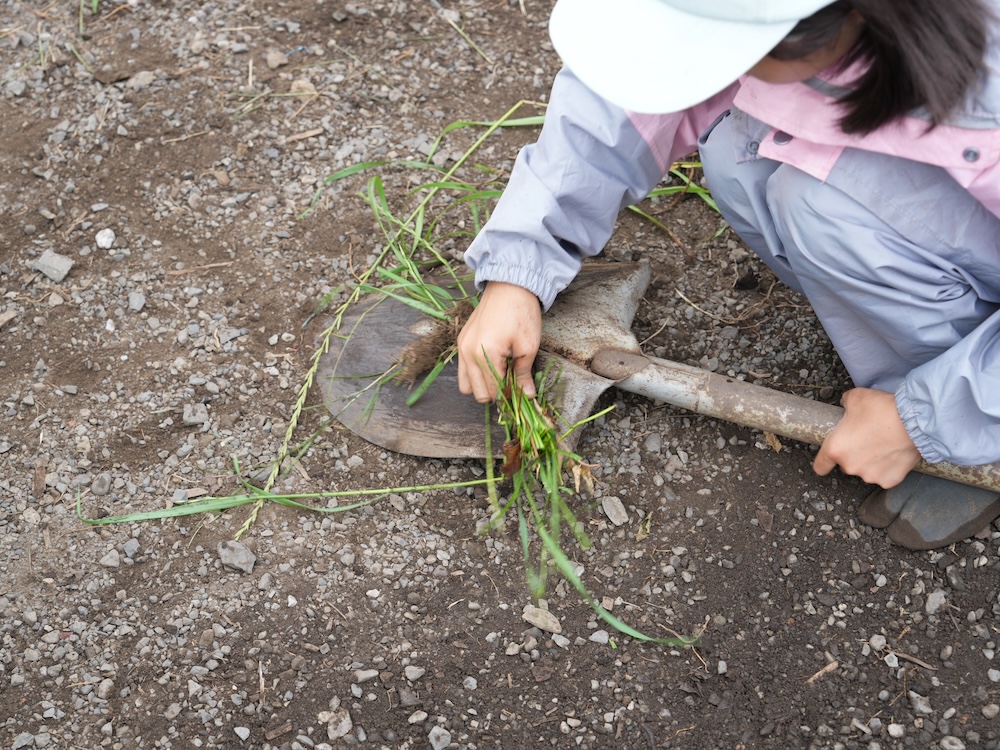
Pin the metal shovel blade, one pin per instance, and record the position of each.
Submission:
(587, 338)
(445, 424)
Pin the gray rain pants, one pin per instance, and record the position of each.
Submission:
(899, 262)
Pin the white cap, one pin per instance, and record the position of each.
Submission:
(660, 56)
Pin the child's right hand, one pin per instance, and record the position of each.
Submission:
(505, 327)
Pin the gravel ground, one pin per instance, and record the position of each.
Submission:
(156, 294)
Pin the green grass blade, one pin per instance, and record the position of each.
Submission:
(427, 382)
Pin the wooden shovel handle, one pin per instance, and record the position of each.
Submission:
(750, 405)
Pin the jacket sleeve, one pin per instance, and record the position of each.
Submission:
(566, 190)
(950, 405)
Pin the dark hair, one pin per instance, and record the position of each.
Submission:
(919, 53)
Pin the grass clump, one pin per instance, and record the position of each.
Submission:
(537, 464)
(545, 477)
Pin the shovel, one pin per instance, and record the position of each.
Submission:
(588, 345)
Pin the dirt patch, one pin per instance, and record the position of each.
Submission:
(199, 134)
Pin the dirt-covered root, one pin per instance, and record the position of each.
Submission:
(422, 354)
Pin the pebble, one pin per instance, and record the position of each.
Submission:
(141, 80)
(53, 265)
(439, 738)
(920, 703)
(935, 600)
(417, 717)
(105, 239)
(991, 710)
(236, 555)
(136, 301)
(614, 509)
(600, 636)
(338, 723)
(542, 618)
(413, 673)
(111, 560)
(275, 59)
(877, 642)
(105, 688)
(101, 485)
(195, 414)
(896, 731)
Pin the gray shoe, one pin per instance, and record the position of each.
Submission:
(925, 512)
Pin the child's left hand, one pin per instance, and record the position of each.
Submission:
(869, 441)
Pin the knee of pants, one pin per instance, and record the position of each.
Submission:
(821, 230)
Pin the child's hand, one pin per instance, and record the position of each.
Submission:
(506, 325)
(869, 441)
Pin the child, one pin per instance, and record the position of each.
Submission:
(853, 145)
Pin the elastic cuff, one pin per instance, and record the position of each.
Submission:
(529, 278)
(908, 413)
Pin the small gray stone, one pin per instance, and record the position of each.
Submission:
(877, 642)
(266, 582)
(654, 443)
(136, 301)
(243, 733)
(338, 723)
(195, 414)
(111, 560)
(600, 636)
(470, 683)
(24, 739)
(542, 618)
(275, 58)
(172, 712)
(17, 87)
(141, 80)
(991, 710)
(53, 265)
(101, 485)
(130, 548)
(413, 673)
(408, 698)
(105, 239)
(935, 600)
(439, 738)
(614, 509)
(951, 743)
(365, 675)
(920, 703)
(105, 688)
(238, 556)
